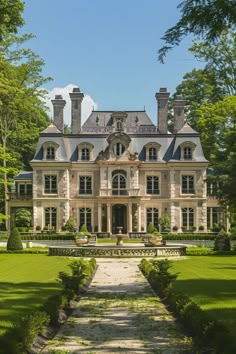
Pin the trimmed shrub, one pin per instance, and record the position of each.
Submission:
(209, 334)
(151, 228)
(70, 224)
(82, 270)
(53, 306)
(38, 228)
(222, 242)
(14, 241)
(23, 218)
(19, 339)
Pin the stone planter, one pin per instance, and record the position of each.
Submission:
(155, 241)
(81, 241)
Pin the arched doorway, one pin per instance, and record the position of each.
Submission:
(119, 218)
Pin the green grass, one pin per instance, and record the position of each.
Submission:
(26, 281)
(210, 282)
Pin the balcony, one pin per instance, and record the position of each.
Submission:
(20, 196)
(121, 192)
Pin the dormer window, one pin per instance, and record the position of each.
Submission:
(188, 154)
(50, 151)
(119, 149)
(187, 150)
(85, 152)
(152, 151)
(152, 154)
(85, 155)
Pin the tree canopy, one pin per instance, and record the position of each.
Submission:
(206, 19)
(10, 16)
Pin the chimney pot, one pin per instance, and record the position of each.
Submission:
(163, 89)
(58, 97)
(76, 89)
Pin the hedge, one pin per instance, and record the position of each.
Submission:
(19, 338)
(208, 333)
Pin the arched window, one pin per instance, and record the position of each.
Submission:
(188, 154)
(119, 182)
(152, 154)
(187, 150)
(85, 154)
(50, 153)
(119, 149)
(152, 151)
(50, 150)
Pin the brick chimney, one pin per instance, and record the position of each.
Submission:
(76, 99)
(58, 109)
(178, 106)
(162, 103)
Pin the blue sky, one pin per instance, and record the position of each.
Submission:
(109, 49)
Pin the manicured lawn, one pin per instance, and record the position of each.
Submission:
(210, 282)
(26, 281)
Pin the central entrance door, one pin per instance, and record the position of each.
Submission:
(119, 218)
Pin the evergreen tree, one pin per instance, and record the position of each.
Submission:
(14, 241)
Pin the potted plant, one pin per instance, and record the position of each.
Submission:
(81, 239)
(201, 228)
(175, 228)
(155, 239)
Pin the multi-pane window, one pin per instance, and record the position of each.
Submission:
(85, 154)
(50, 153)
(188, 217)
(119, 149)
(50, 184)
(85, 217)
(188, 155)
(215, 216)
(25, 189)
(188, 184)
(85, 185)
(213, 188)
(50, 218)
(152, 216)
(153, 185)
(152, 152)
(119, 182)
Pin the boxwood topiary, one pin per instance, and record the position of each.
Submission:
(14, 241)
(222, 242)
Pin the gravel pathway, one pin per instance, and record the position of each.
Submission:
(119, 314)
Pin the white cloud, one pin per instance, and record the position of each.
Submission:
(88, 104)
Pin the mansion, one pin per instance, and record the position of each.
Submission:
(117, 169)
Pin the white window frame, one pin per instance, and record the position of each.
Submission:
(153, 209)
(188, 174)
(152, 176)
(50, 223)
(47, 174)
(188, 226)
(84, 174)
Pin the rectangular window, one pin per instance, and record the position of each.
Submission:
(50, 184)
(85, 218)
(50, 218)
(188, 217)
(85, 185)
(188, 184)
(152, 217)
(153, 185)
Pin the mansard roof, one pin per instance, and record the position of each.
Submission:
(24, 175)
(137, 126)
(104, 119)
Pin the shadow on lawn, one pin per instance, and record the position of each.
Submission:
(218, 297)
(16, 300)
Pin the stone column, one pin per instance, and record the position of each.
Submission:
(139, 218)
(58, 109)
(108, 217)
(129, 217)
(99, 217)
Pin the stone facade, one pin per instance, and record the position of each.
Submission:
(118, 169)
